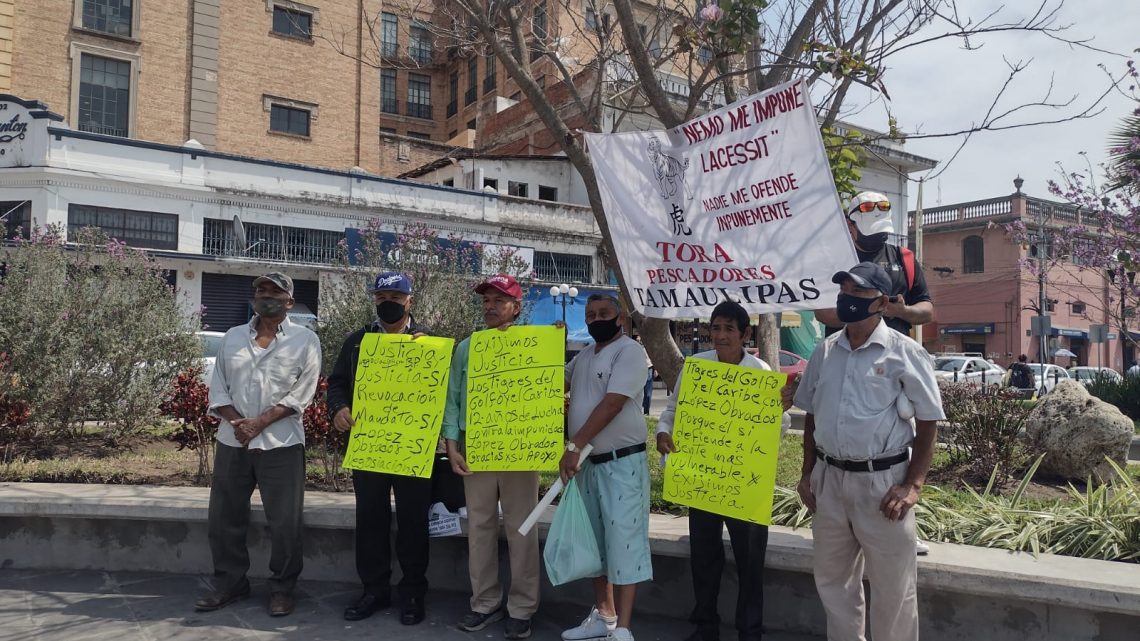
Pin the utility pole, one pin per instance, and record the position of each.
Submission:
(918, 246)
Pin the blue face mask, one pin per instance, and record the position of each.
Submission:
(852, 309)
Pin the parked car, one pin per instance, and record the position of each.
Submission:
(211, 342)
(1086, 375)
(967, 369)
(1053, 375)
(790, 362)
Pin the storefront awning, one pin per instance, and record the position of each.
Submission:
(1071, 333)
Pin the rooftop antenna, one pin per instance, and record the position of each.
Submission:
(241, 241)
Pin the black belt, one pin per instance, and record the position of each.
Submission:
(616, 454)
(869, 465)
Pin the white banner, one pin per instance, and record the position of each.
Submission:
(737, 204)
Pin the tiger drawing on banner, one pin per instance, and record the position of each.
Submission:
(669, 171)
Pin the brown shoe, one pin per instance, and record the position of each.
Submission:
(280, 604)
(219, 599)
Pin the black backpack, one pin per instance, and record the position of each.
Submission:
(1021, 376)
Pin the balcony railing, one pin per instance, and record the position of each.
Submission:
(272, 242)
(470, 96)
(452, 108)
(421, 54)
(417, 110)
(389, 49)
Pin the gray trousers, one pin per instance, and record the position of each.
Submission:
(279, 475)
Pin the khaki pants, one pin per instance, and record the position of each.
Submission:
(851, 535)
(517, 492)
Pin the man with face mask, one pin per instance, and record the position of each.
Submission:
(869, 222)
(392, 296)
(264, 377)
(864, 465)
(606, 382)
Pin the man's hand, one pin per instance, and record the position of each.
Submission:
(246, 429)
(505, 326)
(343, 420)
(898, 501)
(895, 307)
(665, 443)
(418, 335)
(806, 495)
(568, 466)
(458, 463)
(559, 324)
(788, 392)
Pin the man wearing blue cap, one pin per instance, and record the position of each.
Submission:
(864, 465)
(392, 295)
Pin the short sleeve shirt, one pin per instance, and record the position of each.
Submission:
(890, 259)
(618, 368)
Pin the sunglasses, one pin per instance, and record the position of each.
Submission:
(882, 205)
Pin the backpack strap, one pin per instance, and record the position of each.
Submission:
(908, 266)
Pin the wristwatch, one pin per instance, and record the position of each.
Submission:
(573, 449)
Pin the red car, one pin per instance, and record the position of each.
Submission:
(790, 363)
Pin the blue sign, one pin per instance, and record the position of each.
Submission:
(354, 241)
(968, 328)
(1071, 333)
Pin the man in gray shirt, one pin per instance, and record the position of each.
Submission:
(606, 383)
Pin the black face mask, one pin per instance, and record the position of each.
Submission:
(872, 243)
(852, 309)
(603, 331)
(390, 312)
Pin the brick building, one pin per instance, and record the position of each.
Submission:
(985, 298)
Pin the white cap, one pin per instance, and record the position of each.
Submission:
(872, 222)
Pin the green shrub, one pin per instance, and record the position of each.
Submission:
(984, 430)
(1123, 393)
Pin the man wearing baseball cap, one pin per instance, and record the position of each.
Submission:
(909, 303)
(392, 296)
(516, 492)
(264, 377)
(864, 465)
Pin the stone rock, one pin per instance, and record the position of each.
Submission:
(1076, 431)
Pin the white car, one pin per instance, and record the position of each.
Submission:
(211, 342)
(1053, 375)
(1086, 375)
(967, 369)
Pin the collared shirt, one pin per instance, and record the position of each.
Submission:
(618, 368)
(665, 423)
(253, 380)
(852, 393)
(455, 411)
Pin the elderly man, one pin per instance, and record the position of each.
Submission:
(864, 463)
(515, 492)
(606, 383)
(392, 296)
(264, 377)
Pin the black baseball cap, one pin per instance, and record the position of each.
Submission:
(866, 275)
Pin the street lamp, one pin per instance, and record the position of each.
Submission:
(564, 294)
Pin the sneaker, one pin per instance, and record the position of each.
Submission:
(594, 626)
(516, 628)
(922, 548)
(620, 634)
(473, 620)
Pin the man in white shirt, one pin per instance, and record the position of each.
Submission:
(264, 377)
(864, 464)
(606, 383)
(730, 329)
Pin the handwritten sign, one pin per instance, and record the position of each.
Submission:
(515, 388)
(738, 204)
(727, 434)
(397, 403)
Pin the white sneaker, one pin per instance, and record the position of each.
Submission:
(594, 626)
(922, 548)
(620, 634)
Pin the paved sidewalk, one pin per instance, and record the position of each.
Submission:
(65, 605)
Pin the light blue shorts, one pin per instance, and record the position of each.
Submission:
(616, 494)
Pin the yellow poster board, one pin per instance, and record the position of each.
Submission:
(727, 435)
(515, 390)
(397, 403)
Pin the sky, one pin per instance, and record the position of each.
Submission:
(941, 87)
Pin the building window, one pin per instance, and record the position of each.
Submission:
(516, 96)
(272, 242)
(292, 23)
(388, 46)
(489, 72)
(450, 182)
(1077, 309)
(289, 120)
(643, 32)
(471, 123)
(16, 219)
(472, 80)
(493, 183)
(419, 134)
(547, 193)
(591, 20)
(540, 20)
(419, 45)
(135, 228)
(419, 96)
(388, 102)
(605, 23)
(388, 130)
(516, 189)
(104, 95)
(704, 56)
(453, 94)
(562, 268)
(113, 17)
(973, 255)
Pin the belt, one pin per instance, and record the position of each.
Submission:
(867, 465)
(618, 453)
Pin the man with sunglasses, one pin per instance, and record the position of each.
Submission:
(869, 221)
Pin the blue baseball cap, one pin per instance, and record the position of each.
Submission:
(392, 282)
(867, 275)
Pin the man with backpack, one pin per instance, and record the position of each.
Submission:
(1021, 376)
